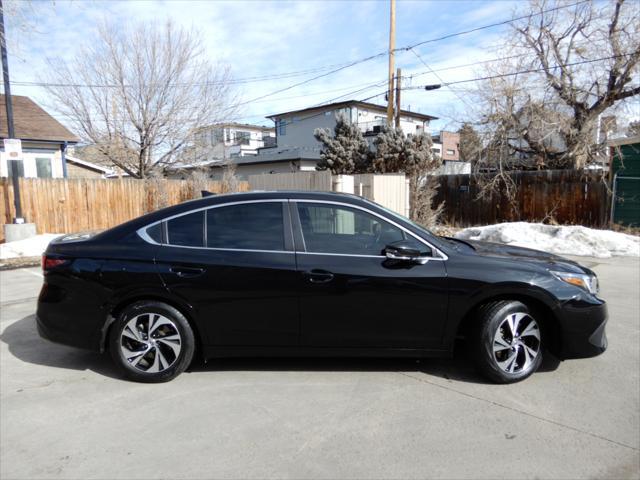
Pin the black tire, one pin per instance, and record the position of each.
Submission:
(514, 360)
(152, 354)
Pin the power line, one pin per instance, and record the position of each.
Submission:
(492, 25)
(438, 77)
(339, 67)
(535, 70)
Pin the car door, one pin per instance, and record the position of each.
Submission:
(351, 294)
(234, 263)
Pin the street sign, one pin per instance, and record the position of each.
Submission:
(13, 148)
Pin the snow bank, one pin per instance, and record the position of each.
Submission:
(29, 247)
(562, 240)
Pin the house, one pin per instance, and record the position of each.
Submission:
(446, 145)
(624, 178)
(227, 140)
(296, 148)
(221, 143)
(44, 141)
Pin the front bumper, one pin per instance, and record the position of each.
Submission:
(582, 325)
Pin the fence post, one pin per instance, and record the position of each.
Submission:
(342, 183)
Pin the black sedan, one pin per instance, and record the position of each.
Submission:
(310, 274)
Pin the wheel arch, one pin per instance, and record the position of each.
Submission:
(545, 315)
(182, 307)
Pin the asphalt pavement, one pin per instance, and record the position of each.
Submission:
(65, 413)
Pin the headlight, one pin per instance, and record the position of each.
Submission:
(586, 282)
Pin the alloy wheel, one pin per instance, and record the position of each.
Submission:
(516, 343)
(150, 342)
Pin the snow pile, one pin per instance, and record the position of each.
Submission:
(562, 240)
(29, 247)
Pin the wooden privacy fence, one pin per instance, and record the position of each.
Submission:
(75, 205)
(563, 196)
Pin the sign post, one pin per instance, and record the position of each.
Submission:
(13, 150)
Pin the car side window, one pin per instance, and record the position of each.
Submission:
(186, 230)
(337, 229)
(248, 226)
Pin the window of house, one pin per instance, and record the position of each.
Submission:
(243, 138)
(217, 136)
(451, 152)
(248, 226)
(282, 127)
(43, 167)
(344, 230)
(15, 167)
(187, 230)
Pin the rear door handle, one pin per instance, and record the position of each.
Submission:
(319, 276)
(187, 272)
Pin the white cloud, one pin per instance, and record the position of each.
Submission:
(264, 38)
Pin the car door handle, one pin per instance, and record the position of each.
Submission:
(319, 276)
(187, 272)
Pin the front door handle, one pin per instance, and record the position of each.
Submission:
(319, 276)
(187, 272)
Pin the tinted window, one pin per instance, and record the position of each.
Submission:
(186, 230)
(253, 226)
(155, 232)
(332, 229)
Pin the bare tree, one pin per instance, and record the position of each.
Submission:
(140, 93)
(633, 129)
(578, 61)
(470, 143)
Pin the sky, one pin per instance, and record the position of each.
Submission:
(259, 38)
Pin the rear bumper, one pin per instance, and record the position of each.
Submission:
(583, 329)
(51, 333)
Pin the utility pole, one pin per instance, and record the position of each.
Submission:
(9, 106)
(392, 47)
(398, 89)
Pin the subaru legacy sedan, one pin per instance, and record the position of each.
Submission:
(310, 274)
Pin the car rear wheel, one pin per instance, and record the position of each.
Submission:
(151, 342)
(507, 342)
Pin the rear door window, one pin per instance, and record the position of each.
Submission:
(247, 226)
(186, 230)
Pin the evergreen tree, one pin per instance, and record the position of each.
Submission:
(345, 151)
(412, 156)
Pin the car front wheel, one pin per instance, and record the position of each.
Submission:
(151, 342)
(507, 342)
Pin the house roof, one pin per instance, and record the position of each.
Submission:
(352, 103)
(88, 165)
(617, 142)
(31, 122)
(240, 125)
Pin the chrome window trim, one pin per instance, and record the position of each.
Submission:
(442, 256)
(342, 254)
(142, 231)
(228, 249)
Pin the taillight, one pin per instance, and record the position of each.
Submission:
(49, 262)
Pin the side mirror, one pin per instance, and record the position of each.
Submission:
(404, 251)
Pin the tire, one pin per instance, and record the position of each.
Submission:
(151, 342)
(499, 354)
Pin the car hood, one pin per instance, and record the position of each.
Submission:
(521, 254)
